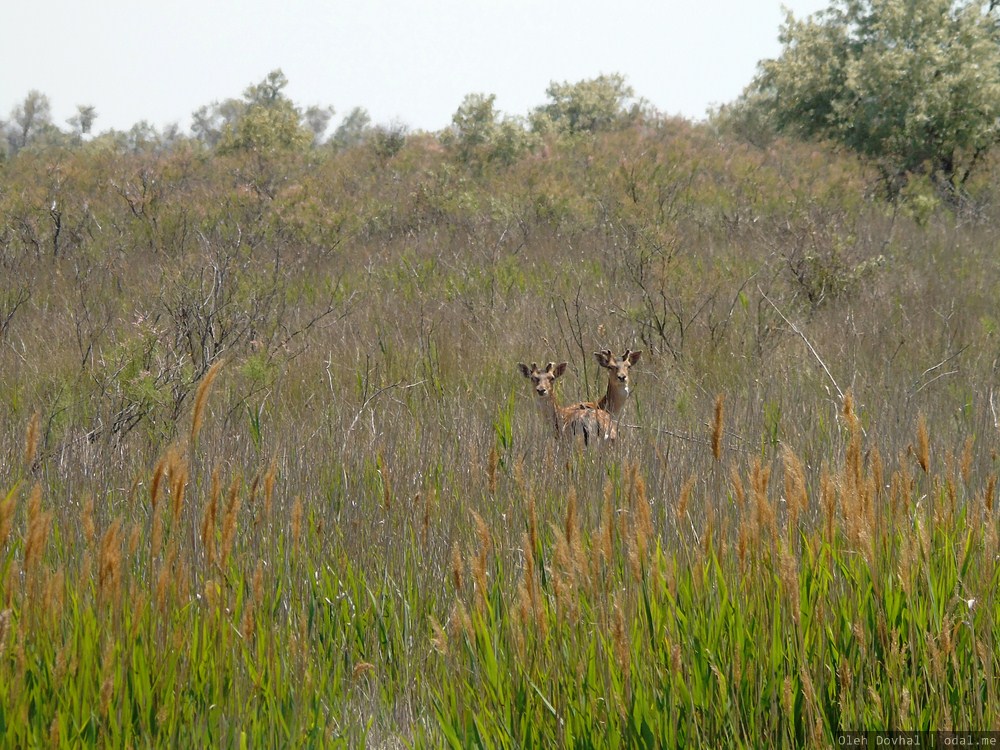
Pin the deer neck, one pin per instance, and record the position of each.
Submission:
(552, 412)
(613, 401)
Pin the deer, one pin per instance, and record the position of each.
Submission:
(619, 387)
(582, 418)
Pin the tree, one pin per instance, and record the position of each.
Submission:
(208, 121)
(480, 135)
(269, 121)
(913, 85)
(29, 121)
(317, 119)
(353, 130)
(587, 106)
(475, 122)
(388, 140)
(83, 120)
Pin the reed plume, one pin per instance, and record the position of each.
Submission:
(201, 395)
(109, 563)
(269, 479)
(296, 526)
(717, 424)
(479, 562)
(177, 471)
(966, 464)
(923, 444)
(229, 521)
(456, 567)
(7, 508)
(159, 473)
(31, 440)
(38, 530)
(491, 469)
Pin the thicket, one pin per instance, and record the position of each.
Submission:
(271, 477)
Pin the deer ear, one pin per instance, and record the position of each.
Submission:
(560, 368)
(632, 357)
(524, 369)
(603, 357)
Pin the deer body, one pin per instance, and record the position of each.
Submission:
(581, 418)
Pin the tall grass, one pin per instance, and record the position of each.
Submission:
(357, 532)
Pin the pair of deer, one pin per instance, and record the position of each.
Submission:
(584, 418)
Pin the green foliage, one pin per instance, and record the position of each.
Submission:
(269, 122)
(480, 136)
(387, 140)
(588, 106)
(353, 130)
(914, 86)
(30, 122)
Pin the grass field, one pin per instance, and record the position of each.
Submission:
(269, 475)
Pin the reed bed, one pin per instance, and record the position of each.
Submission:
(767, 602)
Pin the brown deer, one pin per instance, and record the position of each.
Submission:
(583, 418)
(619, 385)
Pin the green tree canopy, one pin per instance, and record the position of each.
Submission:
(586, 106)
(479, 134)
(31, 122)
(914, 85)
(353, 129)
(269, 122)
(474, 124)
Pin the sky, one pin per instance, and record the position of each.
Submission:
(404, 61)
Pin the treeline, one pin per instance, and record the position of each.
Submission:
(264, 118)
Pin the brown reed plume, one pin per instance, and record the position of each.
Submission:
(178, 467)
(248, 621)
(201, 395)
(7, 507)
(479, 561)
(456, 567)
(717, 423)
(765, 517)
(620, 639)
(965, 467)
(38, 529)
(269, 479)
(296, 525)
(31, 440)
(796, 495)
(229, 521)
(156, 486)
(208, 520)
(109, 575)
(87, 525)
(923, 444)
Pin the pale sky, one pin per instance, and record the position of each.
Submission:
(407, 61)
